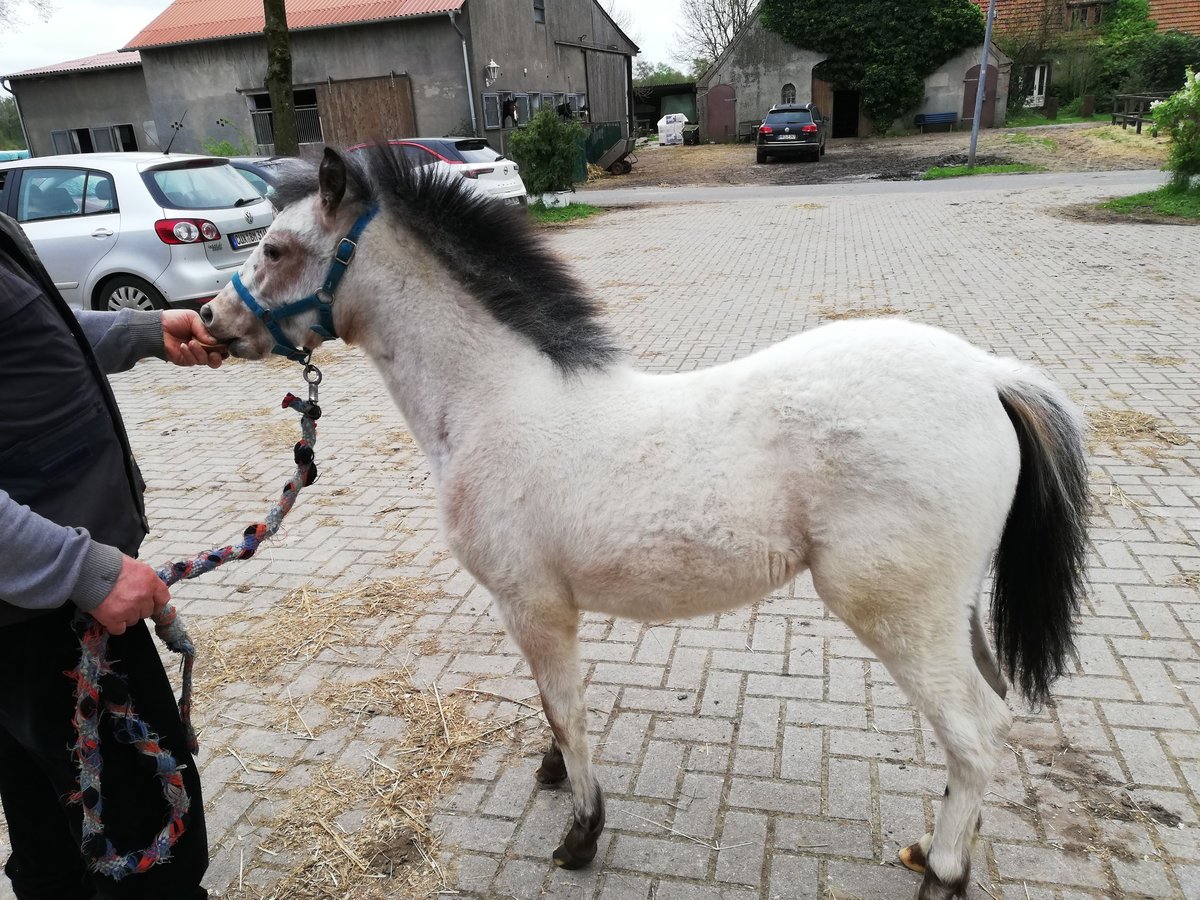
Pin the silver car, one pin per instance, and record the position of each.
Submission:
(142, 230)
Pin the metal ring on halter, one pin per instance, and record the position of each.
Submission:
(312, 376)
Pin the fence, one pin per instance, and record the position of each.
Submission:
(1134, 109)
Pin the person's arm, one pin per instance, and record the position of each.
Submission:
(43, 565)
(121, 339)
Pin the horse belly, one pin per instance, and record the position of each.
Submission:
(654, 581)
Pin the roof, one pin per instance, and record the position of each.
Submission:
(188, 21)
(114, 59)
(1017, 15)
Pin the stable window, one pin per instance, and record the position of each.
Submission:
(539, 11)
(308, 117)
(522, 101)
(491, 110)
(547, 101)
(788, 94)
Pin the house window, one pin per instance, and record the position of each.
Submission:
(491, 110)
(539, 11)
(788, 94)
(1036, 78)
(308, 118)
(522, 101)
(1087, 13)
(101, 139)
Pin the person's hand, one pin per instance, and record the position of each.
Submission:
(187, 341)
(138, 594)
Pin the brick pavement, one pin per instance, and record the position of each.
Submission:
(767, 732)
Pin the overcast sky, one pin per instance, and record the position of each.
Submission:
(84, 27)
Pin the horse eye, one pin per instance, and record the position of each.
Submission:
(271, 252)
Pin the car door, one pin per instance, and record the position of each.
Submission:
(73, 219)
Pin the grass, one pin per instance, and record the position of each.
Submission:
(1166, 201)
(1024, 137)
(960, 171)
(561, 215)
(1030, 119)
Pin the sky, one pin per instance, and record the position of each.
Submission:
(80, 28)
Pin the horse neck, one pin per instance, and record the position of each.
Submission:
(452, 368)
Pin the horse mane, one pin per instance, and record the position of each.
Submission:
(491, 249)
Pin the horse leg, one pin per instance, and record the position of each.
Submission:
(549, 641)
(937, 669)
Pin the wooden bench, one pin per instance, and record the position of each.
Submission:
(923, 119)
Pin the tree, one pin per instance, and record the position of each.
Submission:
(709, 26)
(1180, 115)
(279, 78)
(882, 50)
(11, 136)
(10, 11)
(646, 73)
(1028, 44)
(549, 150)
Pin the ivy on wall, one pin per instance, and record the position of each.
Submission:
(881, 48)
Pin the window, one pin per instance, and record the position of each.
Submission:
(50, 194)
(203, 186)
(100, 139)
(547, 101)
(535, 103)
(522, 101)
(1087, 13)
(789, 117)
(539, 11)
(308, 117)
(100, 194)
(491, 110)
(788, 94)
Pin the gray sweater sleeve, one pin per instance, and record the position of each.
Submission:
(43, 565)
(121, 339)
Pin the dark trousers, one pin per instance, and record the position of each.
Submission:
(37, 770)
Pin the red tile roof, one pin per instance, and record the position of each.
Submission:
(114, 59)
(1181, 14)
(1019, 15)
(186, 21)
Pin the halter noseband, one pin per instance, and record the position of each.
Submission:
(321, 300)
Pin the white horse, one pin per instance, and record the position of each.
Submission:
(888, 458)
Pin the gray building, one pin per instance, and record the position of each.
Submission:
(759, 68)
(98, 103)
(361, 71)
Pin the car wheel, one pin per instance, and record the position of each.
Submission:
(760, 156)
(128, 292)
(822, 148)
(816, 154)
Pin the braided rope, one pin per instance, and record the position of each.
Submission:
(96, 684)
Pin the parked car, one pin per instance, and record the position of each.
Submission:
(484, 168)
(142, 230)
(261, 171)
(791, 129)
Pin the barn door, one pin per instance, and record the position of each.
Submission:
(365, 109)
(987, 114)
(721, 110)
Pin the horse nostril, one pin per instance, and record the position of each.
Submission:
(206, 313)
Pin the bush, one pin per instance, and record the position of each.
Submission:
(1180, 116)
(548, 150)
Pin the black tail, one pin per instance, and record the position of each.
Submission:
(1039, 571)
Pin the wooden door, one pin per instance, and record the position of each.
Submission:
(720, 106)
(987, 115)
(366, 109)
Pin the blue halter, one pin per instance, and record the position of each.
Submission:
(321, 300)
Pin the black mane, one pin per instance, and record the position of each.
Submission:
(492, 249)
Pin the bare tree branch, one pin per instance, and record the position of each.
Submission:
(709, 26)
(12, 11)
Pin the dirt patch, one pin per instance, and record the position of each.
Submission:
(1072, 770)
(1066, 148)
(865, 312)
(1089, 212)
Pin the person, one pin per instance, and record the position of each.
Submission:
(72, 519)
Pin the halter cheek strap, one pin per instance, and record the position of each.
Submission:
(321, 300)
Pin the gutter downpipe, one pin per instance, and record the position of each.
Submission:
(20, 116)
(466, 71)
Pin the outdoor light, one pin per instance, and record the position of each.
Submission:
(491, 72)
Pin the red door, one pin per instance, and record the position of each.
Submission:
(987, 115)
(721, 110)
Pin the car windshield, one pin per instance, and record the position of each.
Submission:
(203, 186)
(789, 117)
(476, 151)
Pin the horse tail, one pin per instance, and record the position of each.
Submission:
(1038, 578)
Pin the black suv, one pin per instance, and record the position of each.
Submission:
(791, 128)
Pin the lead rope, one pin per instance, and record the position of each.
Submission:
(96, 684)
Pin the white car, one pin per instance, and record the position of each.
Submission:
(141, 230)
(473, 159)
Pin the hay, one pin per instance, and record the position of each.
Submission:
(1117, 428)
(865, 312)
(1188, 579)
(345, 827)
(1162, 360)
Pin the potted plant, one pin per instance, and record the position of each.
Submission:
(548, 150)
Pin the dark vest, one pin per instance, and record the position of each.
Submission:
(63, 448)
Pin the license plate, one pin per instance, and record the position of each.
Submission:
(787, 137)
(244, 239)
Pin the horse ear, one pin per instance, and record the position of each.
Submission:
(332, 180)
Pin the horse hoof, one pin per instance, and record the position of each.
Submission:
(569, 858)
(912, 857)
(552, 770)
(933, 888)
(579, 846)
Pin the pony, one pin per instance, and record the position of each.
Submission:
(894, 461)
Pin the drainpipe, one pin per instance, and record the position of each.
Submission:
(20, 118)
(467, 70)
